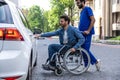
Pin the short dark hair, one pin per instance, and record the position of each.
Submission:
(83, 1)
(66, 18)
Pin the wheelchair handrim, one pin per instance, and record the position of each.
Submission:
(72, 70)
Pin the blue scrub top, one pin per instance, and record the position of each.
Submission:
(85, 19)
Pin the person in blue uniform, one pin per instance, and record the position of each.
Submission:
(86, 24)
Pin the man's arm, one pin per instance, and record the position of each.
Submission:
(91, 15)
(80, 37)
(91, 25)
(48, 34)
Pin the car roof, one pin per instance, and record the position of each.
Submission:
(7, 1)
(2, 0)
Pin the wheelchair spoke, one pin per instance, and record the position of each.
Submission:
(75, 63)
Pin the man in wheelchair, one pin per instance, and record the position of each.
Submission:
(68, 35)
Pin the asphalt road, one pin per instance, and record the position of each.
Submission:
(108, 54)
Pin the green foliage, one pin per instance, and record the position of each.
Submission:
(49, 20)
(57, 10)
(60, 7)
(116, 38)
(35, 17)
(46, 23)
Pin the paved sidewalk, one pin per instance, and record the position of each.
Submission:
(111, 42)
(106, 45)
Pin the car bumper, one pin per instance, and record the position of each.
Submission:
(13, 63)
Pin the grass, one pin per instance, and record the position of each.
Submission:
(116, 38)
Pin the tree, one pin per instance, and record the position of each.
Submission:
(60, 7)
(45, 20)
(35, 17)
(56, 11)
(49, 20)
(71, 9)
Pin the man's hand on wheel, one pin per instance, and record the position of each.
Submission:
(72, 50)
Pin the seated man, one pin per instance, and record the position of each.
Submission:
(68, 35)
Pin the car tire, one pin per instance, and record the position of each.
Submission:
(29, 71)
(35, 64)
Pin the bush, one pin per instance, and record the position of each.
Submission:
(116, 38)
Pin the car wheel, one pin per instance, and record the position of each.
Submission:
(29, 71)
(35, 64)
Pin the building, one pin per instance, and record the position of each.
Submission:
(107, 14)
(116, 17)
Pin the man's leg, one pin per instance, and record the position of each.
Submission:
(86, 46)
(52, 49)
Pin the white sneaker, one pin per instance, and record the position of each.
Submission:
(98, 64)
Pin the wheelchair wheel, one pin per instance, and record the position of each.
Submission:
(78, 62)
(59, 72)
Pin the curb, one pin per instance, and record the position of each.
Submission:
(110, 42)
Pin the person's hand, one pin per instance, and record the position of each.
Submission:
(72, 50)
(37, 35)
(86, 32)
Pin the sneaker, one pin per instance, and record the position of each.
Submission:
(48, 67)
(98, 65)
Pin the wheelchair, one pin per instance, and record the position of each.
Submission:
(75, 63)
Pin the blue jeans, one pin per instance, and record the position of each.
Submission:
(86, 46)
(53, 48)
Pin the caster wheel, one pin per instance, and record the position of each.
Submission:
(59, 72)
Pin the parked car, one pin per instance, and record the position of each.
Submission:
(18, 53)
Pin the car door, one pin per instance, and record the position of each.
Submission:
(31, 36)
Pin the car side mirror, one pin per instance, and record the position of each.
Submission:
(37, 31)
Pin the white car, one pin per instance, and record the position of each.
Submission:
(18, 53)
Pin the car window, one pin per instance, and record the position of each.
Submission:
(23, 18)
(5, 14)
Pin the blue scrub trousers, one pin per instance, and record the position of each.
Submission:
(86, 46)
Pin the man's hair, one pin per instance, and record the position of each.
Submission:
(83, 1)
(66, 18)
